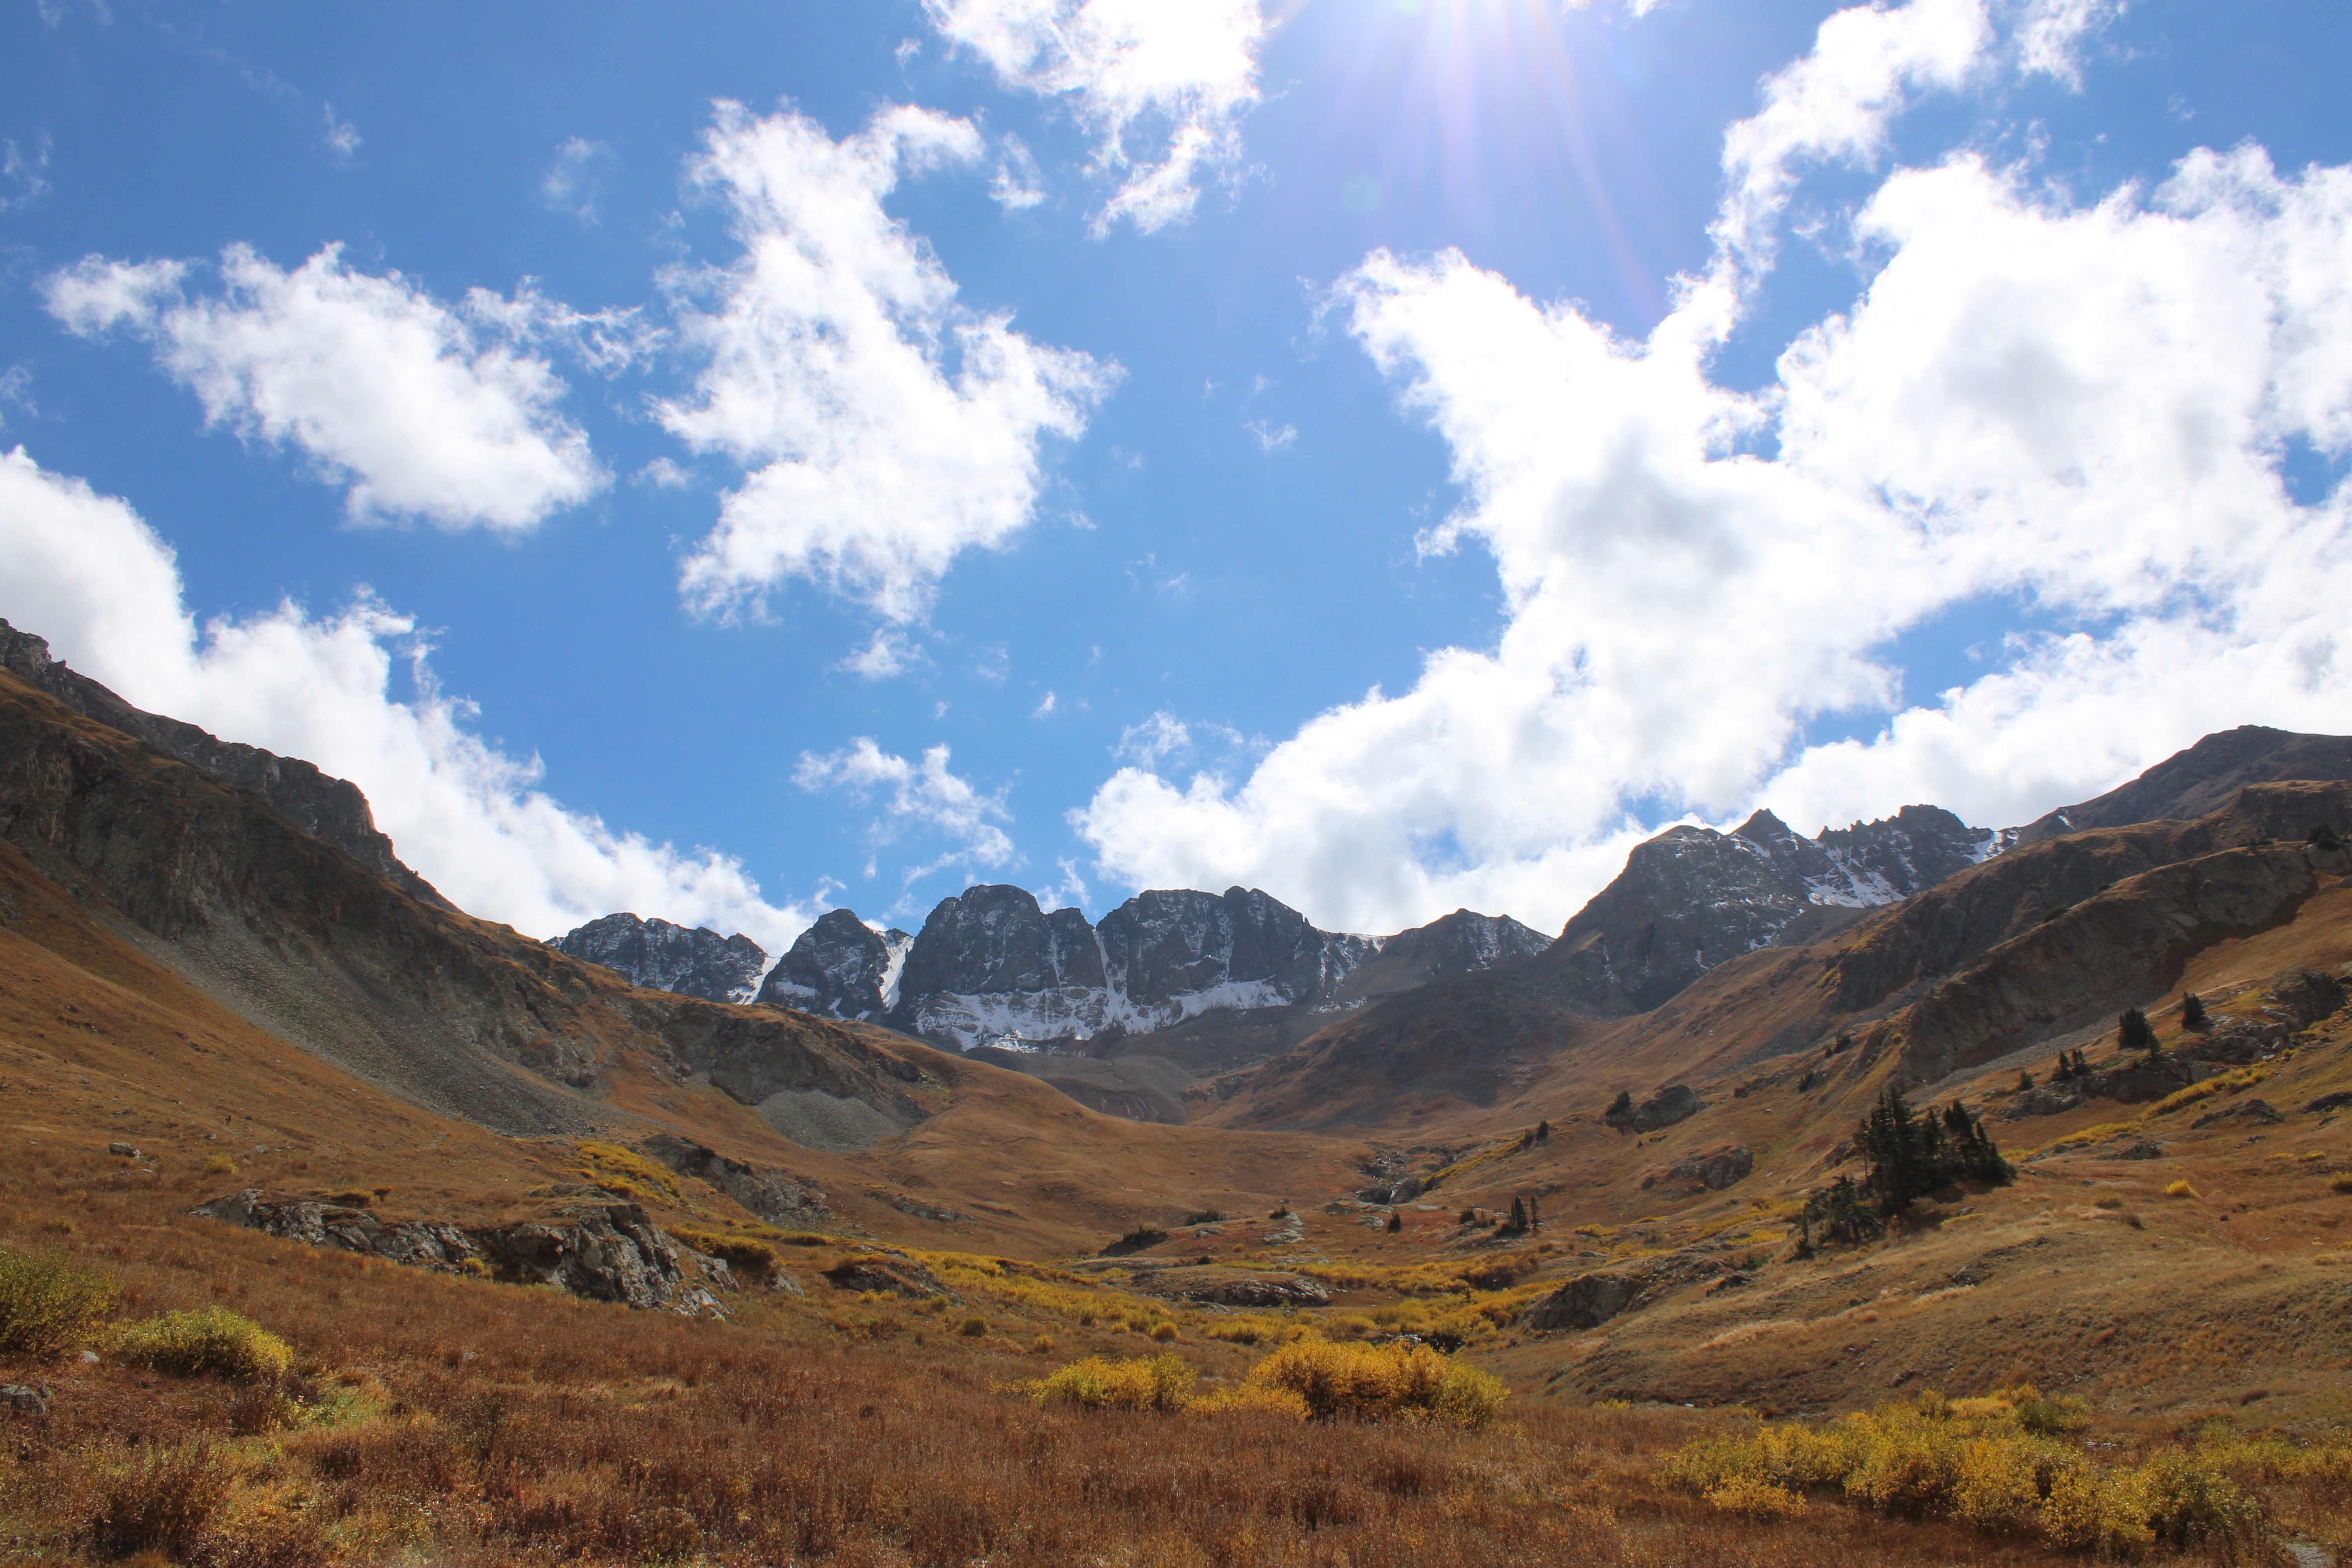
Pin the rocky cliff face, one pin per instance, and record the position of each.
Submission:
(665, 957)
(327, 808)
(840, 969)
(1691, 897)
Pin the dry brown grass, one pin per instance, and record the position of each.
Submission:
(465, 1423)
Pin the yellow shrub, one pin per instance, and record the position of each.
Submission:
(2340, 1181)
(972, 1327)
(48, 1306)
(1244, 1396)
(1755, 1499)
(2180, 1190)
(1998, 1482)
(1097, 1383)
(1907, 1464)
(214, 1341)
(1164, 1332)
(1365, 1383)
(220, 1166)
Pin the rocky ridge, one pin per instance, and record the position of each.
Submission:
(327, 808)
(665, 957)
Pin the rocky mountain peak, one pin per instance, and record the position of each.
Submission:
(840, 968)
(1691, 897)
(665, 957)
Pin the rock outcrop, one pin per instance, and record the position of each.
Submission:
(329, 809)
(607, 1252)
(778, 1196)
(839, 968)
(661, 956)
(1718, 1168)
(1676, 1102)
(1590, 1300)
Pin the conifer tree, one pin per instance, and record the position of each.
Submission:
(2192, 1011)
(2024, 1080)
(2134, 1032)
(1517, 1224)
(1396, 1222)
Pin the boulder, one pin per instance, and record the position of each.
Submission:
(25, 1399)
(2143, 1078)
(123, 1151)
(2145, 1149)
(1590, 1300)
(2047, 1101)
(1676, 1102)
(1718, 1168)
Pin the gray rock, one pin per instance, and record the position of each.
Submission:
(779, 1197)
(123, 1151)
(608, 1252)
(2049, 1100)
(1590, 1300)
(2145, 1149)
(1676, 1102)
(1718, 1168)
(661, 956)
(25, 1399)
(1262, 1290)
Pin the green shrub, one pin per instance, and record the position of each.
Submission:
(972, 1327)
(48, 1305)
(215, 1341)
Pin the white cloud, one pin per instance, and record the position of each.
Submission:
(887, 428)
(574, 182)
(16, 390)
(84, 571)
(2079, 408)
(1160, 736)
(1018, 185)
(339, 136)
(919, 795)
(1174, 76)
(1835, 104)
(2050, 30)
(24, 174)
(1047, 707)
(383, 386)
(1272, 437)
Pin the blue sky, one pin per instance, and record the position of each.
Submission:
(1394, 453)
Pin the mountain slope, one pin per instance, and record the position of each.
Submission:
(2194, 782)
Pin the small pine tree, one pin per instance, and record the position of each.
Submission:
(2081, 1064)
(1622, 1103)
(1535, 1215)
(1543, 1131)
(2192, 1011)
(2024, 1080)
(1469, 1217)
(1396, 1222)
(2134, 1032)
(1517, 1224)
(2323, 836)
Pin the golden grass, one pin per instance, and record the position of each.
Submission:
(2180, 1190)
(210, 1341)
